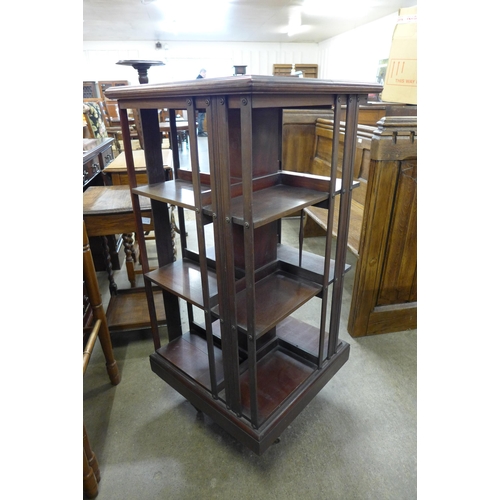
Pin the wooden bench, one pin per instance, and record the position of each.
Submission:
(384, 296)
(383, 222)
(315, 222)
(307, 145)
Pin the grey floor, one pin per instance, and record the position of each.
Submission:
(357, 439)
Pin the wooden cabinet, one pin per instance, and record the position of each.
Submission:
(90, 90)
(246, 359)
(308, 70)
(384, 297)
(97, 155)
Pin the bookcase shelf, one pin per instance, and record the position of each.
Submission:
(183, 278)
(177, 192)
(189, 353)
(276, 297)
(274, 203)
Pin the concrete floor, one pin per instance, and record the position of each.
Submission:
(355, 440)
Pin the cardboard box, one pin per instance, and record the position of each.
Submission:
(400, 83)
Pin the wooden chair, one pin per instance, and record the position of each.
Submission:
(112, 111)
(95, 326)
(111, 114)
(316, 218)
(112, 128)
(138, 127)
(181, 125)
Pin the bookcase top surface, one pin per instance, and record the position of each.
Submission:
(245, 84)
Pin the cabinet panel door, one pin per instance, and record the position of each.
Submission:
(398, 284)
(384, 294)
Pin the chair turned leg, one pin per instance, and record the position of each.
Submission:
(118, 145)
(107, 349)
(91, 458)
(95, 300)
(90, 487)
(128, 242)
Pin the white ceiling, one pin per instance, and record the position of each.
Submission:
(238, 21)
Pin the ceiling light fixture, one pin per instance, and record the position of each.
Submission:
(335, 8)
(294, 22)
(187, 16)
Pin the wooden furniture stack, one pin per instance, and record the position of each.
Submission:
(246, 361)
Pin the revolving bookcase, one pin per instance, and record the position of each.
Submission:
(246, 360)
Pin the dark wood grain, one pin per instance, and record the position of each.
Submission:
(189, 353)
(299, 334)
(176, 192)
(277, 296)
(286, 374)
(261, 86)
(183, 278)
(312, 266)
(275, 203)
(128, 310)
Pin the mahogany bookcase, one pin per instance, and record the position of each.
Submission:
(249, 363)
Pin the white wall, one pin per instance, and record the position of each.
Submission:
(183, 60)
(353, 55)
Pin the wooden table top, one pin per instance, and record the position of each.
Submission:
(119, 164)
(181, 125)
(109, 200)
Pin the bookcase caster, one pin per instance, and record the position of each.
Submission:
(197, 409)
